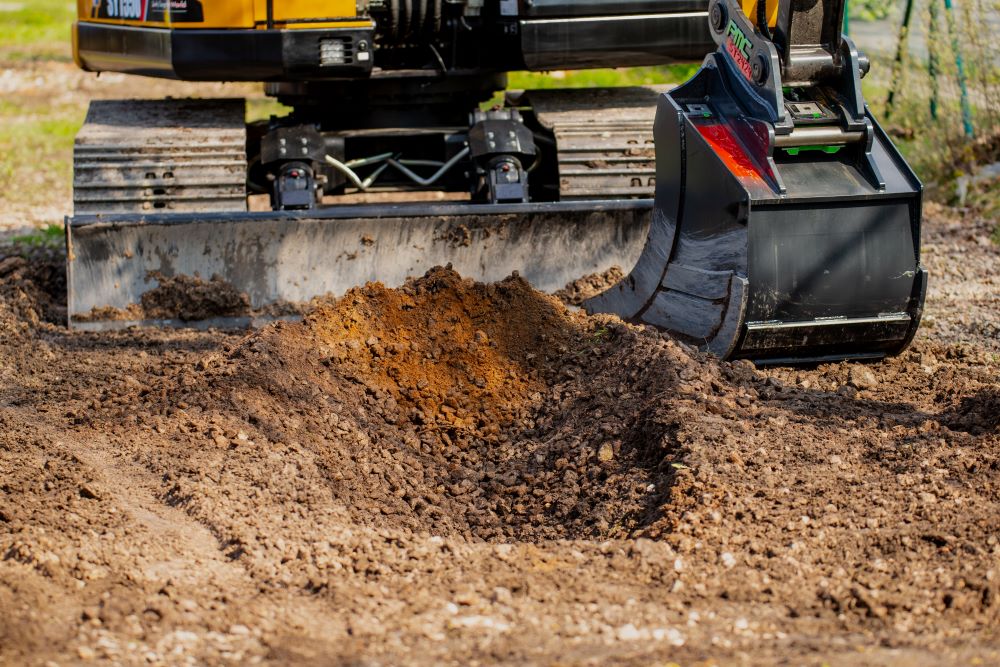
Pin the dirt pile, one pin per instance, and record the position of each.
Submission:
(32, 287)
(484, 411)
(32, 295)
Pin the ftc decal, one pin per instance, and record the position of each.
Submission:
(740, 48)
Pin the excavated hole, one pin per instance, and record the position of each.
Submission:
(455, 408)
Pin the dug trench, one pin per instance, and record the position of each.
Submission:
(457, 473)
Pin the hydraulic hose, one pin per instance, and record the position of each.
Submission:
(347, 168)
(438, 174)
(762, 23)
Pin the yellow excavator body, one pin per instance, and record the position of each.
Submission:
(221, 14)
(750, 9)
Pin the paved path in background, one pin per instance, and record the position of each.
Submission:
(881, 38)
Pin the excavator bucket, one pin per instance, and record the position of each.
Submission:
(804, 257)
(786, 226)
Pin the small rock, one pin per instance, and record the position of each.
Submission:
(628, 633)
(86, 653)
(671, 635)
(847, 391)
(605, 453)
(188, 605)
(728, 560)
(675, 637)
(502, 595)
(862, 377)
(466, 598)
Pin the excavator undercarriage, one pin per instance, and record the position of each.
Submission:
(771, 219)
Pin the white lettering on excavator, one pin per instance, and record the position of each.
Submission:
(125, 9)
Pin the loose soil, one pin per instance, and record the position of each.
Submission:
(184, 298)
(456, 473)
(581, 289)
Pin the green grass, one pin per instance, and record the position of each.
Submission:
(600, 334)
(602, 78)
(36, 149)
(869, 10)
(37, 30)
(596, 78)
(262, 108)
(50, 236)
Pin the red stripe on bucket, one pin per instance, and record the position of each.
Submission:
(729, 150)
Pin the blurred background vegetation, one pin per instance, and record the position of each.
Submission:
(39, 124)
(35, 29)
(944, 89)
(870, 10)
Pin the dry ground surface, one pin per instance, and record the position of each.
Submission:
(452, 473)
(461, 474)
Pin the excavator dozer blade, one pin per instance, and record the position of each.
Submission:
(234, 269)
(774, 255)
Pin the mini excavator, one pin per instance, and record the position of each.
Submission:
(758, 210)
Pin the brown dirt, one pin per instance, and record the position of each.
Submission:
(185, 298)
(581, 289)
(453, 473)
(190, 298)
